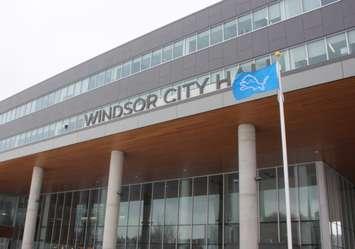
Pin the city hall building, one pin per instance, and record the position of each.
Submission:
(145, 147)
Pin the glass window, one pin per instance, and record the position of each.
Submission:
(310, 4)
(324, 2)
(275, 13)
(198, 237)
(260, 18)
(351, 36)
(244, 24)
(156, 58)
(337, 46)
(134, 205)
(172, 199)
(178, 49)
(298, 57)
(217, 34)
(136, 65)
(268, 206)
(126, 69)
(123, 215)
(215, 200)
(146, 61)
(284, 60)
(230, 30)
(308, 192)
(167, 53)
(231, 199)
(203, 40)
(158, 203)
(118, 72)
(316, 52)
(200, 201)
(191, 44)
(293, 8)
(84, 85)
(262, 62)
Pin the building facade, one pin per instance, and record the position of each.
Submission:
(145, 147)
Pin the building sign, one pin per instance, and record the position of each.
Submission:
(153, 100)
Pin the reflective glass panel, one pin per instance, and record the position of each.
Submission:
(172, 200)
(134, 205)
(136, 65)
(191, 44)
(203, 40)
(293, 8)
(167, 53)
(146, 61)
(310, 4)
(316, 52)
(260, 18)
(244, 24)
(351, 36)
(298, 57)
(217, 34)
(230, 30)
(178, 49)
(126, 69)
(156, 57)
(158, 203)
(200, 201)
(275, 13)
(337, 46)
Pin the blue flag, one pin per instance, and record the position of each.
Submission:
(246, 84)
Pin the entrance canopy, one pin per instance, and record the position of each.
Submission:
(319, 124)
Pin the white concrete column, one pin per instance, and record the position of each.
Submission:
(113, 200)
(248, 204)
(323, 206)
(32, 208)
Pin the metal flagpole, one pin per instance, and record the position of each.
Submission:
(280, 98)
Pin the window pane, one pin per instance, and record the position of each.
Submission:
(216, 35)
(167, 53)
(146, 61)
(203, 40)
(200, 201)
(293, 8)
(262, 62)
(136, 65)
(178, 49)
(324, 2)
(275, 13)
(351, 35)
(191, 44)
(298, 57)
(134, 205)
(126, 69)
(230, 30)
(337, 46)
(308, 193)
(156, 58)
(185, 201)
(284, 60)
(310, 4)
(231, 199)
(316, 52)
(171, 217)
(199, 237)
(158, 203)
(260, 18)
(215, 199)
(244, 24)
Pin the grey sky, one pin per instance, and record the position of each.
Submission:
(41, 38)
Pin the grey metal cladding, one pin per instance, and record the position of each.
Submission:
(349, 13)
(332, 18)
(260, 42)
(291, 32)
(294, 31)
(312, 25)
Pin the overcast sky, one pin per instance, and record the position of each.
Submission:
(41, 38)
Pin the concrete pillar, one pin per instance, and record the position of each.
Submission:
(113, 200)
(248, 204)
(323, 206)
(32, 208)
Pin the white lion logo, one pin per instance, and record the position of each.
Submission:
(251, 82)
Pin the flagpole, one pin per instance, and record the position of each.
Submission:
(280, 98)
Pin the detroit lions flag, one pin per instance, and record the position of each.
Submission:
(246, 84)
